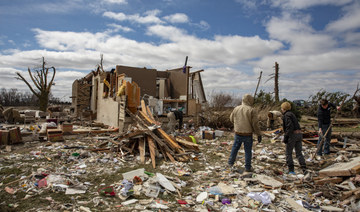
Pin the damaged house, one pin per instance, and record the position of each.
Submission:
(104, 96)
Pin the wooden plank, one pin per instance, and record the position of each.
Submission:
(170, 157)
(170, 141)
(152, 148)
(328, 180)
(163, 152)
(146, 117)
(309, 142)
(347, 194)
(142, 150)
(143, 106)
(341, 169)
(151, 116)
(131, 134)
(331, 208)
(355, 170)
(188, 144)
(353, 197)
(334, 141)
(132, 146)
(296, 206)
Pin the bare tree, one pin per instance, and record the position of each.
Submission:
(40, 80)
(275, 76)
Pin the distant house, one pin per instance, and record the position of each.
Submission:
(105, 95)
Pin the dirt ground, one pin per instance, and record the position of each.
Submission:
(24, 165)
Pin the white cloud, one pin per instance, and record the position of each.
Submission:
(350, 21)
(68, 41)
(116, 1)
(250, 4)
(298, 33)
(223, 49)
(117, 27)
(177, 18)
(303, 4)
(150, 17)
(116, 16)
(352, 38)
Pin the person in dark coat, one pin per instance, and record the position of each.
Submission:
(292, 138)
(324, 121)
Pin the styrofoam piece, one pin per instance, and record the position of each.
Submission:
(219, 133)
(165, 182)
(153, 191)
(202, 196)
(131, 174)
(132, 201)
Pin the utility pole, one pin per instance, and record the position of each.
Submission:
(276, 88)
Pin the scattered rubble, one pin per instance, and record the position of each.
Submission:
(146, 169)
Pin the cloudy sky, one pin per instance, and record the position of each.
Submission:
(316, 43)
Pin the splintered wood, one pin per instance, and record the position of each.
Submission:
(342, 169)
(150, 140)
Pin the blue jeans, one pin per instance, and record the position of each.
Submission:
(248, 142)
(326, 144)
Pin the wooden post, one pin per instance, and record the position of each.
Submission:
(258, 84)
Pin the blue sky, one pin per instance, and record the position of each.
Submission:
(316, 43)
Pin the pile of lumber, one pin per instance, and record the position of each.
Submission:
(149, 137)
(337, 173)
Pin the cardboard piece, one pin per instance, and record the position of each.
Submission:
(54, 135)
(4, 137)
(67, 128)
(209, 135)
(15, 136)
(268, 181)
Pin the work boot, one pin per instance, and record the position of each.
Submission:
(251, 170)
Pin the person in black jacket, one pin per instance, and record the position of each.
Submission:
(324, 120)
(292, 138)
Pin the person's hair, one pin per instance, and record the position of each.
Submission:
(286, 106)
(324, 102)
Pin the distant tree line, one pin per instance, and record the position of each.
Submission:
(13, 97)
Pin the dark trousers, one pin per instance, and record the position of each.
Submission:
(295, 141)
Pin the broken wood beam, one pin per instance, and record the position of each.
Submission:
(152, 148)
(347, 194)
(328, 180)
(342, 169)
(309, 142)
(142, 150)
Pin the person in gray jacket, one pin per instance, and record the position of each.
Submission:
(245, 120)
(292, 138)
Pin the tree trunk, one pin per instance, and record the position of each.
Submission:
(43, 101)
(276, 88)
